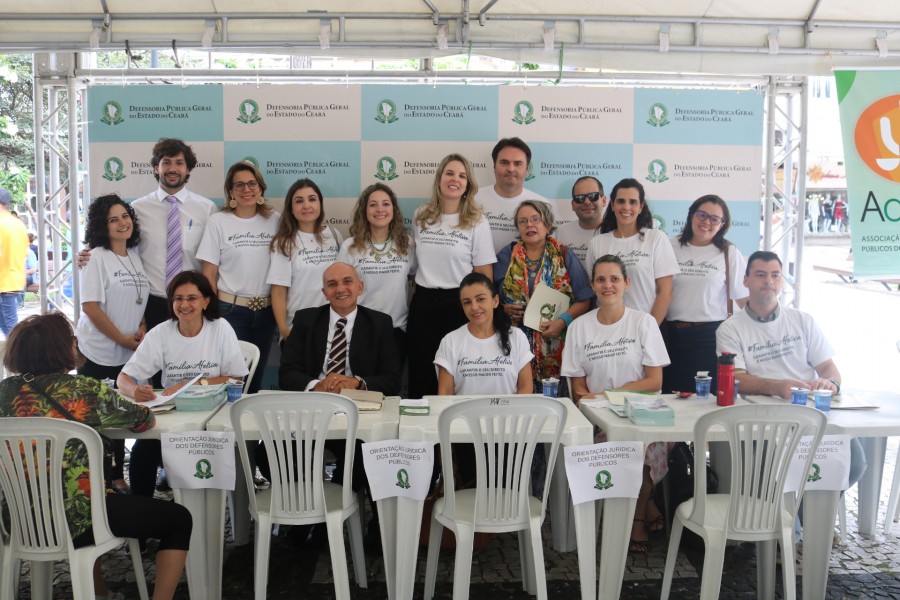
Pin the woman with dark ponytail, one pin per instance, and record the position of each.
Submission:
(487, 355)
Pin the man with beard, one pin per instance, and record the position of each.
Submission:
(172, 223)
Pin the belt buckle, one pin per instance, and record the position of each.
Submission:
(256, 303)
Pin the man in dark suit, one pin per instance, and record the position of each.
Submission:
(338, 346)
(371, 362)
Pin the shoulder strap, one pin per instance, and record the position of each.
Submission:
(62, 409)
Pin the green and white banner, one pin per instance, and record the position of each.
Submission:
(870, 122)
(681, 144)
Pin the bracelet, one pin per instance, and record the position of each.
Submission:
(567, 318)
(836, 385)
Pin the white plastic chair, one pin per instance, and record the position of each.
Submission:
(893, 508)
(762, 439)
(251, 358)
(504, 432)
(32, 484)
(293, 427)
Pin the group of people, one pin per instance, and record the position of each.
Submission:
(171, 284)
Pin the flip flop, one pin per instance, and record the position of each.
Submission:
(657, 524)
(638, 546)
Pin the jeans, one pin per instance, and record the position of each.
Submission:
(9, 311)
(256, 327)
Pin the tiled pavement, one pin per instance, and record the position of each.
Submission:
(864, 568)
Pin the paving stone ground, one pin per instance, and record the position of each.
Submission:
(867, 567)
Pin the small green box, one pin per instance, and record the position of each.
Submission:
(201, 397)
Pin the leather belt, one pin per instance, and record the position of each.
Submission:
(254, 303)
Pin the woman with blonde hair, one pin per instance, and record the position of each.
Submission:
(234, 255)
(380, 250)
(451, 238)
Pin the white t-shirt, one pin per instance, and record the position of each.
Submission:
(114, 282)
(698, 292)
(611, 356)
(240, 249)
(446, 253)
(384, 279)
(789, 347)
(500, 213)
(212, 353)
(302, 272)
(479, 366)
(153, 212)
(577, 239)
(646, 260)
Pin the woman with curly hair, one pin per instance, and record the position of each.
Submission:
(114, 292)
(303, 247)
(379, 248)
(452, 238)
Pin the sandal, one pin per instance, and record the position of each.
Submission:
(638, 546)
(657, 524)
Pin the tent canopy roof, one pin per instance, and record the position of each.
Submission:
(727, 37)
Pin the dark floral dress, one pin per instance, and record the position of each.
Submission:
(91, 403)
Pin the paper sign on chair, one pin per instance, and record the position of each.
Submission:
(605, 470)
(199, 459)
(399, 468)
(830, 468)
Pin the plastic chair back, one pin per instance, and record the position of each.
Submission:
(763, 439)
(251, 358)
(505, 433)
(31, 468)
(293, 427)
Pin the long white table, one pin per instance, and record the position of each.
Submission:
(372, 426)
(820, 507)
(407, 514)
(202, 569)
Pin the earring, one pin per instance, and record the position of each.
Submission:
(233, 203)
(260, 200)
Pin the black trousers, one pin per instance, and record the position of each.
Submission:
(142, 518)
(432, 315)
(691, 349)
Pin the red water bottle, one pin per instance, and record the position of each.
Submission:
(725, 380)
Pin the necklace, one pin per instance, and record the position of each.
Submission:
(381, 250)
(533, 263)
(134, 276)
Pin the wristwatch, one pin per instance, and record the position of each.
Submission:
(361, 385)
(837, 386)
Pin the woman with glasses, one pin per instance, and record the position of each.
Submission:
(627, 232)
(709, 264)
(234, 255)
(301, 250)
(537, 258)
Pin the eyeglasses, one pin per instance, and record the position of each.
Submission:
(580, 198)
(713, 219)
(240, 185)
(533, 220)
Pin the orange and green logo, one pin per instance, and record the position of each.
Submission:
(876, 135)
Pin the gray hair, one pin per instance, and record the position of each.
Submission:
(542, 208)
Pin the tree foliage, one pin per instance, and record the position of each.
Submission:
(16, 124)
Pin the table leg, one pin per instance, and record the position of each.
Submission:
(240, 505)
(407, 545)
(41, 579)
(585, 528)
(765, 569)
(870, 484)
(617, 516)
(387, 522)
(215, 540)
(819, 510)
(204, 560)
(561, 526)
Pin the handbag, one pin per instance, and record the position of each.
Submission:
(729, 304)
(109, 457)
(680, 481)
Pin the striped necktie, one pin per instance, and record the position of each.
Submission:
(337, 356)
(173, 240)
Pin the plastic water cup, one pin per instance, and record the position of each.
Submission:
(703, 384)
(799, 396)
(235, 390)
(550, 387)
(823, 400)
